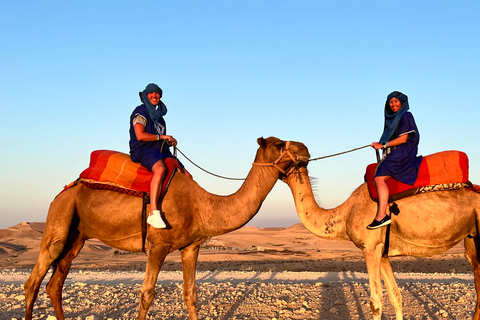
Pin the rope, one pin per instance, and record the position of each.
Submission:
(227, 178)
(213, 174)
(337, 154)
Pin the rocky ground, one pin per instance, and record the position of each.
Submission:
(251, 273)
(244, 295)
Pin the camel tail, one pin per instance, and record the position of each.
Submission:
(59, 221)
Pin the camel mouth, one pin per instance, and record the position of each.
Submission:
(303, 158)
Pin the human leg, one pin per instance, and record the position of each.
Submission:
(158, 170)
(383, 194)
(381, 219)
(154, 217)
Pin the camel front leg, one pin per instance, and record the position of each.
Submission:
(155, 258)
(373, 257)
(392, 288)
(189, 266)
(471, 253)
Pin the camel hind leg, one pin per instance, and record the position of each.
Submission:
(33, 283)
(472, 246)
(73, 246)
(55, 236)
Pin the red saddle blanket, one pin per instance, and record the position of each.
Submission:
(113, 167)
(438, 168)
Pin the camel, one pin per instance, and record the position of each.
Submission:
(428, 224)
(81, 213)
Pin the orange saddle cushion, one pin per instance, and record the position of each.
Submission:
(116, 167)
(438, 168)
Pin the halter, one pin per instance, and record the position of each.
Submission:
(275, 163)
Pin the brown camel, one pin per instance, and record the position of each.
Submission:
(80, 213)
(428, 224)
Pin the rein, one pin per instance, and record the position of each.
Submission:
(274, 164)
(337, 154)
(196, 165)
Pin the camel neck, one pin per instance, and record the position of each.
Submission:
(325, 223)
(233, 211)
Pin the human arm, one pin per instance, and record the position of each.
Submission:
(149, 137)
(393, 143)
(406, 129)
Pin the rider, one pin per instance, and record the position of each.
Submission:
(399, 142)
(149, 144)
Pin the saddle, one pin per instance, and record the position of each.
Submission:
(115, 171)
(444, 170)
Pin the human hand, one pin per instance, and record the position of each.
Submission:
(171, 141)
(376, 145)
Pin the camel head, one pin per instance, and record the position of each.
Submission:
(283, 155)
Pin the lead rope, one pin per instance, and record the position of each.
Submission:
(267, 164)
(213, 174)
(337, 154)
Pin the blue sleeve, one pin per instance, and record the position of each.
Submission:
(141, 110)
(407, 125)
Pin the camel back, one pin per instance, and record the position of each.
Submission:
(439, 171)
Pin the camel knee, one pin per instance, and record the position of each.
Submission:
(54, 290)
(146, 298)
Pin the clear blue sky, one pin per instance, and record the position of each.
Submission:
(231, 71)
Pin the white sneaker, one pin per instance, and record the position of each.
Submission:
(155, 220)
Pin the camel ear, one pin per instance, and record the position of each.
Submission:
(262, 142)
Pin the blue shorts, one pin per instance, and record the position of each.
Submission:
(149, 159)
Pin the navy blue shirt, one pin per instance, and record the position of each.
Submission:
(138, 149)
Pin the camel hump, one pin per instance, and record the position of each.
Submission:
(445, 167)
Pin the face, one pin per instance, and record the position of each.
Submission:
(395, 104)
(154, 97)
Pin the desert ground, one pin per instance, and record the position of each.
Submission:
(251, 273)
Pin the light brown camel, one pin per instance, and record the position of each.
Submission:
(80, 213)
(428, 224)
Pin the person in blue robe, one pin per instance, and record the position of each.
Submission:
(149, 144)
(399, 142)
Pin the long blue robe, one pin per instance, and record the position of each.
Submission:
(402, 162)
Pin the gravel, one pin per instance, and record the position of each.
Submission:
(95, 295)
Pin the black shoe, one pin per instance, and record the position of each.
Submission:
(378, 224)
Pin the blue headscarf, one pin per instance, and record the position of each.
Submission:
(155, 114)
(392, 118)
